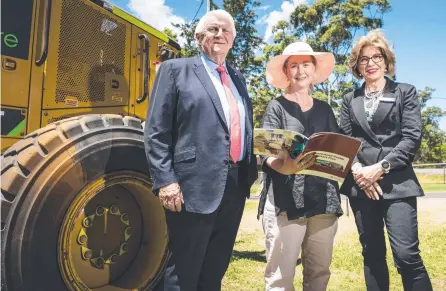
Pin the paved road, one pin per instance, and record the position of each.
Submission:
(435, 195)
(430, 171)
(427, 195)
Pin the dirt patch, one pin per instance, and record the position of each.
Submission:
(431, 212)
(250, 223)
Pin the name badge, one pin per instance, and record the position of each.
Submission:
(387, 99)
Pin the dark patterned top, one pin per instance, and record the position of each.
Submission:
(301, 196)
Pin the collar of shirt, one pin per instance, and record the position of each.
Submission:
(211, 65)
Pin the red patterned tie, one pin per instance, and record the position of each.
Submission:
(236, 145)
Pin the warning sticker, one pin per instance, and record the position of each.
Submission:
(117, 96)
(71, 102)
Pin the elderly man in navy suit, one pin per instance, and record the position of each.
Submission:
(199, 145)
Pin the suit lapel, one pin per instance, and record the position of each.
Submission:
(359, 112)
(238, 82)
(206, 81)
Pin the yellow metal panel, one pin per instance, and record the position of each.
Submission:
(37, 72)
(89, 60)
(141, 109)
(136, 80)
(15, 71)
(35, 98)
(136, 84)
(7, 142)
(50, 116)
(135, 63)
(15, 83)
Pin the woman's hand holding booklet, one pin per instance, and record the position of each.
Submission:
(334, 152)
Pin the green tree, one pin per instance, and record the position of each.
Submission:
(189, 48)
(170, 34)
(260, 91)
(327, 25)
(433, 144)
(242, 54)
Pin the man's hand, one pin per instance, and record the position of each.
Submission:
(366, 176)
(290, 166)
(171, 197)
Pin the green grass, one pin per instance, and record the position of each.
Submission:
(430, 179)
(434, 187)
(347, 262)
(247, 265)
(432, 183)
(248, 261)
(255, 188)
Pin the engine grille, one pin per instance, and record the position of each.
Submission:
(91, 45)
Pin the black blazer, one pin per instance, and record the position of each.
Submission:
(186, 136)
(394, 134)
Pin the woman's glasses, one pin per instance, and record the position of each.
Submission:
(375, 58)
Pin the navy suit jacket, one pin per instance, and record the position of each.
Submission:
(186, 136)
(394, 134)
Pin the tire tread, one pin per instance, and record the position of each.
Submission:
(24, 157)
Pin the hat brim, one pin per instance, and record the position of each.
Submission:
(325, 63)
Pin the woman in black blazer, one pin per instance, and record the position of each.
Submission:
(383, 187)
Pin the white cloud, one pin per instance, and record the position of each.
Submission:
(155, 13)
(264, 8)
(275, 16)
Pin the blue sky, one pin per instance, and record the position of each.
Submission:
(416, 29)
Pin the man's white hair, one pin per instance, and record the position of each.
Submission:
(219, 13)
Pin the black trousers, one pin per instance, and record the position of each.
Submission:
(400, 218)
(201, 244)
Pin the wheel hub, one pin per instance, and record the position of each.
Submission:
(103, 243)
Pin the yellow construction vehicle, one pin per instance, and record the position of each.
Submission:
(77, 210)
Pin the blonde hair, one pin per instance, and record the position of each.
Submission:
(377, 39)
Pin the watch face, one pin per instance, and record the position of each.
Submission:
(385, 164)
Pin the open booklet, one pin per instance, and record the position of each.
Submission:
(334, 152)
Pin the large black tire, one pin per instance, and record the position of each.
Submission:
(41, 177)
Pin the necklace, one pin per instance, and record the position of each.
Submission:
(371, 102)
(374, 94)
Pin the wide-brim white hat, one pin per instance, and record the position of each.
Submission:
(275, 76)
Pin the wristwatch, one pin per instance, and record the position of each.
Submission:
(385, 165)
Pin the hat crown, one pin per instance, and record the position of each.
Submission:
(297, 47)
(325, 63)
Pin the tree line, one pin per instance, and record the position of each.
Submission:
(327, 25)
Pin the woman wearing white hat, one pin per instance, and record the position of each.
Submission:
(299, 212)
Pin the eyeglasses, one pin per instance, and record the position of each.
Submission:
(375, 58)
(215, 29)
